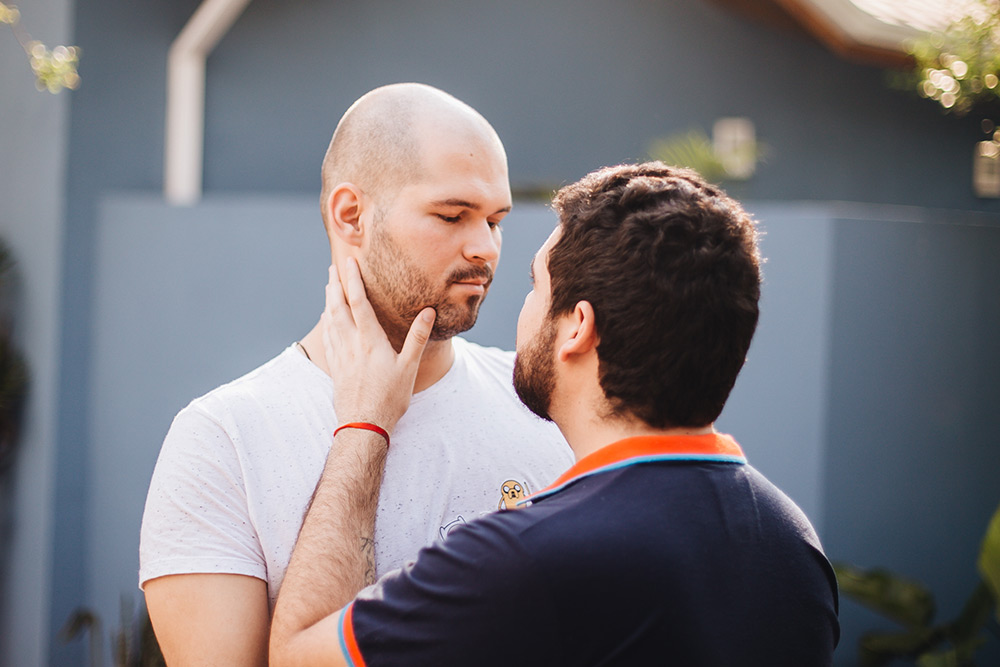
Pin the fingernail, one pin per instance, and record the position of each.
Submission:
(428, 315)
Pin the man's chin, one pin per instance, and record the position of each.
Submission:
(450, 322)
(455, 318)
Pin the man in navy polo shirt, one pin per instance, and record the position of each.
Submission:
(661, 545)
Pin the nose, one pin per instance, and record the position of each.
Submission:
(482, 245)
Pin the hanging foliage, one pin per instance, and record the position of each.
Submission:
(54, 69)
(959, 66)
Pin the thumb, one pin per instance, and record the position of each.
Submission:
(419, 334)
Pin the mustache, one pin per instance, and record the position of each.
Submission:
(472, 273)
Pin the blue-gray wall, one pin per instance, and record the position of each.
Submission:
(777, 409)
(913, 395)
(570, 85)
(115, 142)
(33, 148)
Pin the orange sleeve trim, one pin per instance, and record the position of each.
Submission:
(348, 642)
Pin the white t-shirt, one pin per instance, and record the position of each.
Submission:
(239, 465)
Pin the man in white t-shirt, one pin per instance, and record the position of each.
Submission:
(414, 188)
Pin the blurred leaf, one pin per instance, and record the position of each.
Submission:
(80, 621)
(903, 600)
(966, 629)
(959, 656)
(9, 14)
(691, 149)
(880, 648)
(989, 560)
(150, 654)
(55, 69)
(13, 373)
(937, 659)
(6, 261)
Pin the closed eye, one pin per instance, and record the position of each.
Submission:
(450, 218)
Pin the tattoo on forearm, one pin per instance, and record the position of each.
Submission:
(368, 554)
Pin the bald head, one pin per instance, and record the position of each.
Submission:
(378, 143)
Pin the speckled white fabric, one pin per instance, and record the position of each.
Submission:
(239, 465)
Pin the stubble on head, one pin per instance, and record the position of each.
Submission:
(380, 146)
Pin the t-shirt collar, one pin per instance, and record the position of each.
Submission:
(717, 447)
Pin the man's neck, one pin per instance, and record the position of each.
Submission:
(436, 361)
(587, 436)
(438, 357)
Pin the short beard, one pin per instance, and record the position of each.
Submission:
(534, 371)
(398, 291)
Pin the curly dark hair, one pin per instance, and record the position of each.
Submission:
(671, 267)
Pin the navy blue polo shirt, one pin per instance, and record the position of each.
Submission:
(652, 550)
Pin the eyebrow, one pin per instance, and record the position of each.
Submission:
(466, 204)
(531, 270)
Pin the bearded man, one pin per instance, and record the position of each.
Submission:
(661, 545)
(414, 189)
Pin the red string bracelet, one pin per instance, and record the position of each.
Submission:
(364, 426)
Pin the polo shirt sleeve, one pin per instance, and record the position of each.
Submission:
(473, 599)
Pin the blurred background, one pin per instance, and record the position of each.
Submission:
(870, 392)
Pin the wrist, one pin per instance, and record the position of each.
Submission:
(364, 426)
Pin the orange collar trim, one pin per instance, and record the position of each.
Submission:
(717, 447)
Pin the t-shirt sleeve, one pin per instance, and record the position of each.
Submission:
(473, 599)
(196, 518)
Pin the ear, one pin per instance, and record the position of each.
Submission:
(578, 332)
(345, 208)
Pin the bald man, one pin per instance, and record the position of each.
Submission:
(414, 189)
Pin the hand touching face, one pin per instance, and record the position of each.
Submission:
(372, 382)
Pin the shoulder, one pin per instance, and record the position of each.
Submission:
(288, 367)
(215, 421)
(774, 506)
(270, 390)
(486, 557)
(479, 596)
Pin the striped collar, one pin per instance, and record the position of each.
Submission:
(716, 447)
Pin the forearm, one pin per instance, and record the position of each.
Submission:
(334, 556)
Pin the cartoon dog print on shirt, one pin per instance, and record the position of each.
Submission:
(512, 492)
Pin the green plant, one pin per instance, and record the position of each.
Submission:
(691, 149)
(55, 69)
(959, 67)
(909, 603)
(133, 644)
(13, 373)
(695, 150)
